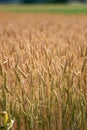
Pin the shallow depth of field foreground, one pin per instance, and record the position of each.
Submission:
(43, 70)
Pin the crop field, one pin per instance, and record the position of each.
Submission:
(43, 70)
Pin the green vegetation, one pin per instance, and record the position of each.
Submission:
(68, 9)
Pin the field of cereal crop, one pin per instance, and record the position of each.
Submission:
(43, 70)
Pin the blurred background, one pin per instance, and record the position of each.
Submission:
(41, 1)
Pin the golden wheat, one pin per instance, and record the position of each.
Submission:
(43, 71)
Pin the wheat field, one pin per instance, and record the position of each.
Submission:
(43, 70)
